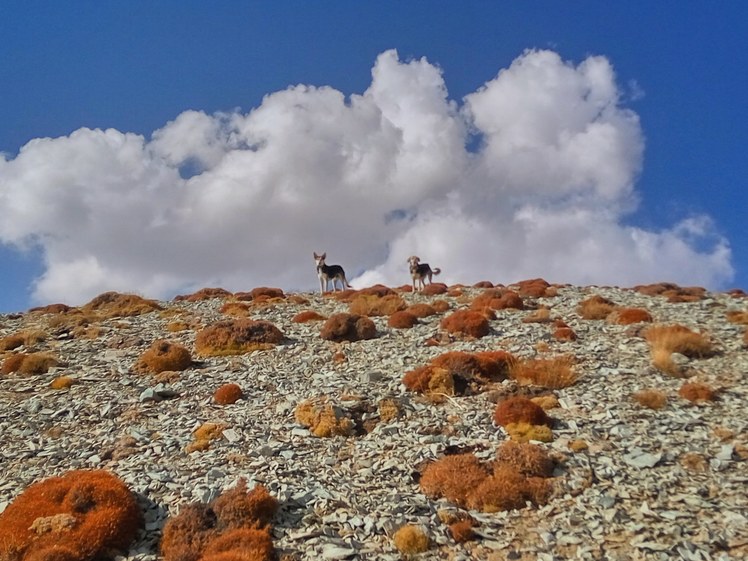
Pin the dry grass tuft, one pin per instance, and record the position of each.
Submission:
(526, 459)
(235, 309)
(462, 530)
(524, 432)
(564, 334)
(82, 515)
(673, 292)
(652, 399)
(434, 289)
(27, 338)
(239, 336)
(664, 340)
(266, 292)
(164, 356)
(114, 304)
(348, 327)
(29, 364)
(372, 305)
(552, 373)
(411, 540)
(595, 307)
(467, 323)
(203, 294)
(53, 309)
(323, 418)
(697, 392)
(735, 316)
(227, 394)
(541, 315)
(307, 316)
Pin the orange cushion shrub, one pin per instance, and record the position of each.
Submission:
(627, 316)
(434, 289)
(114, 304)
(402, 320)
(466, 322)
(307, 316)
(267, 292)
(82, 515)
(697, 392)
(520, 409)
(203, 294)
(227, 394)
(348, 327)
(595, 307)
(421, 310)
(162, 356)
(237, 336)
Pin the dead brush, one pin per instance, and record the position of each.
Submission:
(735, 316)
(235, 309)
(323, 419)
(203, 294)
(651, 399)
(697, 392)
(235, 337)
(372, 305)
(163, 356)
(552, 373)
(410, 539)
(541, 315)
(113, 304)
(29, 364)
(664, 340)
(595, 307)
(26, 338)
(421, 310)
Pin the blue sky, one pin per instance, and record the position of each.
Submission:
(680, 73)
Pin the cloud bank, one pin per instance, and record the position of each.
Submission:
(531, 175)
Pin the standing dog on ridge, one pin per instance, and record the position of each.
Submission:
(327, 273)
(419, 272)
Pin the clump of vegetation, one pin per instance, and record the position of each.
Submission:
(440, 306)
(519, 409)
(672, 292)
(664, 340)
(203, 294)
(82, 515)
(541, 315)
(235, 337)
(410, 539)
(29, 363)
(348, 327)
(204, 435)
(652, 399)
(163, 356)
(462, 530)
(234, 526)
(535, 288)
(524, 432)
(227, 394)
(114, 304)
(235, 309)
(552, 373)
(52, 309)
(323, 419)
(266, 292)
(458, 372)
(27, 338)
(372, 305)
(402, 320)
(421, 310)
(564, 333)
(467, 323)
(595, 307)
(497, 299)
(697, 392)
(519, 475)
(307, 316)
(735, 316)
(434, 289)
(627, 316)
(62, 383)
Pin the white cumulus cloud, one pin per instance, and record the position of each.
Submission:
(531, 175)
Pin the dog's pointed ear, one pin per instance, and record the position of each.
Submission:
(323, 256)
(315, 255)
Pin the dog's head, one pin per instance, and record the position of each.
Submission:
(413, 261)
(319, 259)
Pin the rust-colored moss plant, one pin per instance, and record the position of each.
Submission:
(627, 316)
(204, 435)
(467, 323)
(410, 539)
(651, 399)
(402, 320)
(518, 409)
(520, 474)
(114, 304)
(81, 516)
(348, 327)
(323, 418)
(372, 305)
(595, 307)
(239, 336)
(233, 527)
(697, 392)
(227, 394)
(164, 356)
(29, 363)
(307, 316)
(552, 373)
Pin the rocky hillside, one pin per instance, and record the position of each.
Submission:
(527, 422)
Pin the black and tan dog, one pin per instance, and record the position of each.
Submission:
(419, 272)
(327, 273)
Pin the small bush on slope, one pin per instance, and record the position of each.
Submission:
(114, 304)
(348, 327)
(552, 373)
(227, 394)
(162, 356)
(82, 516)
(233, 337)
(466, 323)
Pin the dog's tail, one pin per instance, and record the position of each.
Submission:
(436, 271)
